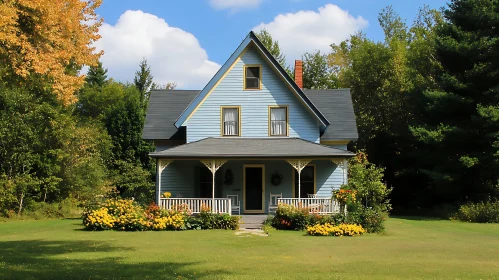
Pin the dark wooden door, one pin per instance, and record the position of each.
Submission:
(205, 183)
(254, 188)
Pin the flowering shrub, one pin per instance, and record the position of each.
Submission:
(291, 218)
(345, 196)
(127, 214)
(175, 221)
(339, 230)
(99, 219)
(123, 214)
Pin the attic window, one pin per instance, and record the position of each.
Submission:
(252, 76)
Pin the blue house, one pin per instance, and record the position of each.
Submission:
(251, 138)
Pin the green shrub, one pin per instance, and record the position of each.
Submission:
(208, 220)
(372, 221)
(67, 208)
(482, 212)
(288, 217)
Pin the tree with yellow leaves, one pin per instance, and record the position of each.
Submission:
(46, 39)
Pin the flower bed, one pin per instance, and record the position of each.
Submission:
(339, 230)
(123, 214)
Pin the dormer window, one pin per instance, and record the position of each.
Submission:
(252, 77)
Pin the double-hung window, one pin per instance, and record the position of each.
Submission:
(252, 77)
(278, 121)
(230, 121)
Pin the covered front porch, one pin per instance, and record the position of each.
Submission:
(250, 182)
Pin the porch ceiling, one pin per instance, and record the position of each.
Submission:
(239, 147)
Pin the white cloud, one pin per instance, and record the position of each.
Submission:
(173, 54)
(235, 5)
(310, 30)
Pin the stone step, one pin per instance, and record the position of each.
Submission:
(252, 221)
(244, 225)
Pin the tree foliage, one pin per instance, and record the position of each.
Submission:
(459, 128)
(96, 76)
(317, 74)
(143, 80)
(46, 39)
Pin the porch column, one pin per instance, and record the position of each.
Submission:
(213, 165)
(342, 163)
(299, 164)
(161, 164)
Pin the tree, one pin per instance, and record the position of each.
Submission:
(316, 72)
(167, 86)
(460, 129)
(143, 80)
(47, 40)
(132, 166)
(96, 76)
(96, 102)
(45, 153)
(274, 49)
(387, 80)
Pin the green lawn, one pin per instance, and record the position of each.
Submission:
(54, 249)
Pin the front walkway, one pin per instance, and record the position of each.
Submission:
(252, 221)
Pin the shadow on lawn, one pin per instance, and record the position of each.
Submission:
(41, 259)
(418, 218)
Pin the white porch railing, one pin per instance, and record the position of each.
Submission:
(320, 206)
(194, 205)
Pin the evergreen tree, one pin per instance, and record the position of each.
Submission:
(274, 49)
(460, 131)
(96, 76)
(143, 81)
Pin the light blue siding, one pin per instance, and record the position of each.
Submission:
(205, 122)
(329, 177)
(181, 178)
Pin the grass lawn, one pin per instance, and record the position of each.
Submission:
(54, 249)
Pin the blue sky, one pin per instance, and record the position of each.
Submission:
(187, 41)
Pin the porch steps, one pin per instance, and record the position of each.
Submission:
(252, 221)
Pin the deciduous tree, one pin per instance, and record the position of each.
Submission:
(48, 40)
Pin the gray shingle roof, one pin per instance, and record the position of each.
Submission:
(336, 105)
(166, 105)
(239, 147)
(164, 108)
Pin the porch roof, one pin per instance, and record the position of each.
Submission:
(239, 147)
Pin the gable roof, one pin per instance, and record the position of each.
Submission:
(164, 108)
(250, 38)
(336, 105)
(240, 147)
(166, 105)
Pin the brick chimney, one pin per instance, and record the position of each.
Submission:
(299, 73)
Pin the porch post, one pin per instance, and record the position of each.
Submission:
(299, 164)
(161, 164)
(213, 165)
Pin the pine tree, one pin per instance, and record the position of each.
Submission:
(143, 81)
(461, 130)
(96, 76)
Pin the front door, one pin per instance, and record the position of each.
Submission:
(253, 188)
